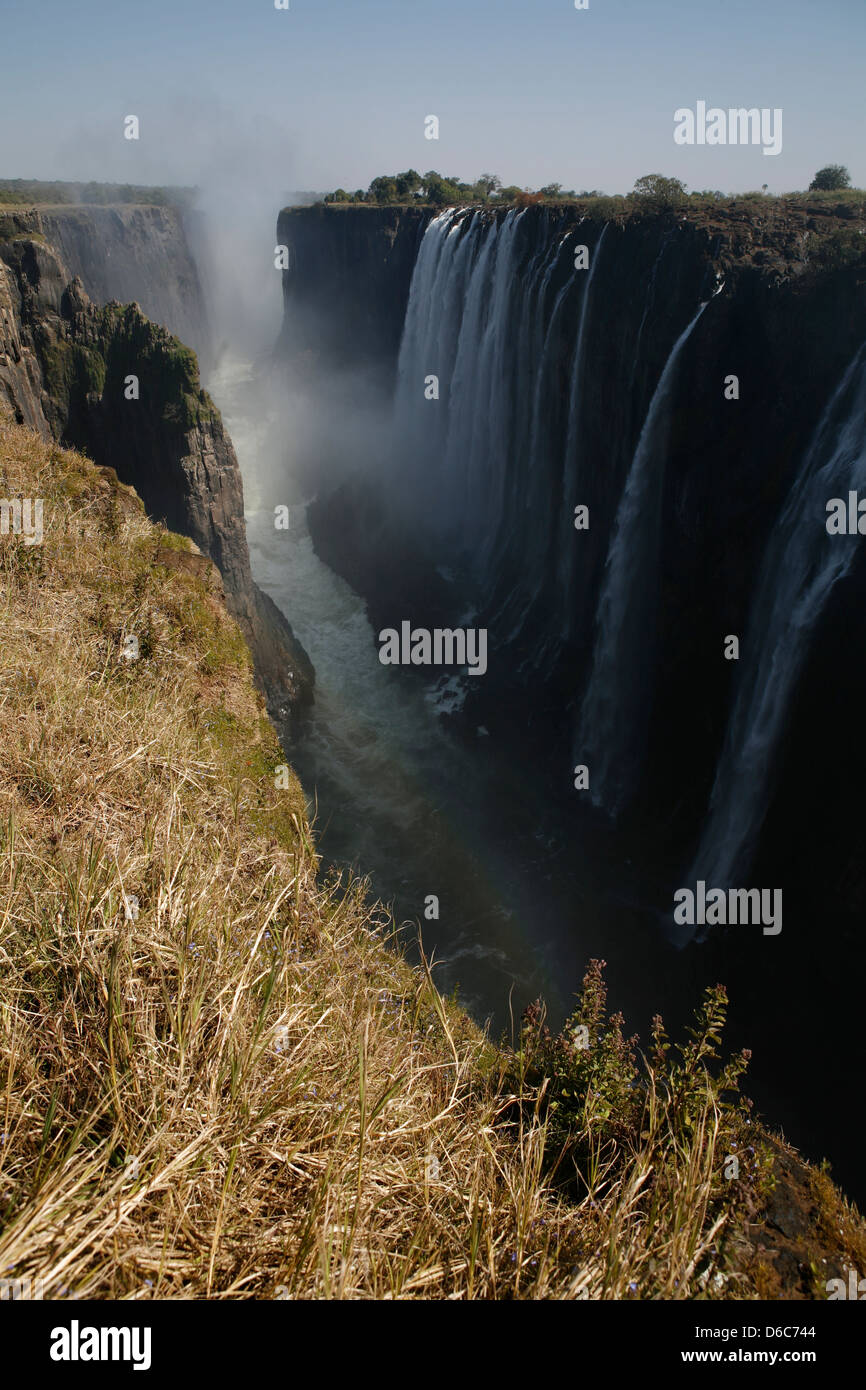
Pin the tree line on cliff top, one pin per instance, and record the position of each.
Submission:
(443, 191)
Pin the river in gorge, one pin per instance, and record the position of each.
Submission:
(394, 792)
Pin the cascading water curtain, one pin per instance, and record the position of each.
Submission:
(801, 566)
(486, 443)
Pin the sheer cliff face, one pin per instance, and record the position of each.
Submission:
(347, 284)
(20, 371)
(134, 255)
(109, 381)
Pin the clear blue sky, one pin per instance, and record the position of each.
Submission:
(333, 92)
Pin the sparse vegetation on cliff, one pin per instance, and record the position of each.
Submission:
(219, 1075)
(124, 335)
(46, 191)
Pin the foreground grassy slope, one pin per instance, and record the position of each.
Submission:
(218, 1077)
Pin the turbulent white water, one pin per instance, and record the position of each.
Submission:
(801, 566)
(613, 715)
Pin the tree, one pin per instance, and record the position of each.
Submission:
(383, 189)
(830, 177)
(440, 191)
(551, 190)
(488, 184)
(408, 184)
(658, 191)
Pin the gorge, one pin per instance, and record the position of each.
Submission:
(559, 387)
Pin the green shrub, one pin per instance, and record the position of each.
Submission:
(832, 176)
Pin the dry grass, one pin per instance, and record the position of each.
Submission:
(219, 1077)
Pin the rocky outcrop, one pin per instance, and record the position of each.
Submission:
(112, 383)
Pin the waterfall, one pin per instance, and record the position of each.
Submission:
(801, 566)
(567, 552)
(613, 716)
(486, 469)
